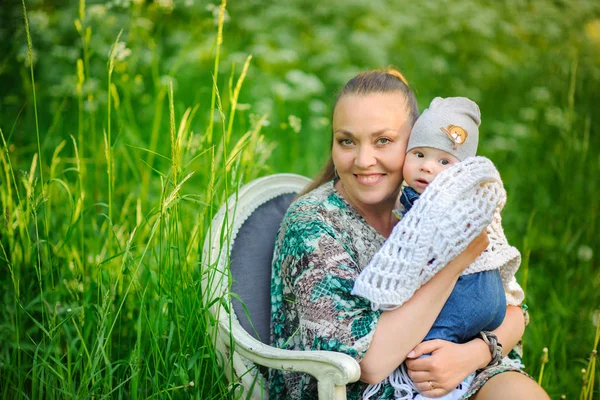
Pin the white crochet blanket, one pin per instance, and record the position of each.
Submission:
(460, 202)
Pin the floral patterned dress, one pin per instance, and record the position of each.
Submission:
(321, 247)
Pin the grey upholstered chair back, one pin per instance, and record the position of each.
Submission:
(251, 256)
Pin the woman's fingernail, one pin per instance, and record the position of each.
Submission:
(411, 354)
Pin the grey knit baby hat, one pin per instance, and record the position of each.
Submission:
(451, 125)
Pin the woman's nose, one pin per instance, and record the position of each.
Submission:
(365, 158)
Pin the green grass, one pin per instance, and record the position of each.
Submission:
(105, 297)
(126, 125)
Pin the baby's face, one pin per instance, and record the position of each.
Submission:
(423, 164)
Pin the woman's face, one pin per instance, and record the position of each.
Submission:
(370, 134)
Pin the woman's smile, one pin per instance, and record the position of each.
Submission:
(369, 179)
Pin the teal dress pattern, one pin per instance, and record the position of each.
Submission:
(321, 247)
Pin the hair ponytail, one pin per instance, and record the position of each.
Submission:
(398, 75)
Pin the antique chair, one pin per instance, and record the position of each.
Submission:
(237, 258)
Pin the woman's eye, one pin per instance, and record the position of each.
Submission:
(345, 142)
(383, 140)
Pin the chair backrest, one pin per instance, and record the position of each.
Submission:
(251, 256)
(250, 219)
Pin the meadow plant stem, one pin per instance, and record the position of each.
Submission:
(209, 130)
(235, 96)
(39, 147)
(175, 142)
(85, 39)
(15, 276)
(80, 82)
(109, 155)
(10, 169)
(174, 178)
(82, 68)
(544, 360)
(177, 136)
(30, 58)
(594, 358)
(156, 121)
(33, 209)
(80, 207)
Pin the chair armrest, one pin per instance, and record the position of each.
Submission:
(338, 368)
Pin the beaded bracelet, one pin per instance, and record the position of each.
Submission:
(495, 347)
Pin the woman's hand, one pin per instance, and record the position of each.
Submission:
(447, 366)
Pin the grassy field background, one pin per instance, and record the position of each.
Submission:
(125, 124)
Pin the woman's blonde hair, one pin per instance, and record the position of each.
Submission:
(375, 81)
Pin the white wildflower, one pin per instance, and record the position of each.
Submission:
(528, 113)
(585, 253)
(38, 20)
(120, 52)
(96, 11)
(541, 94)
(317, 107)
(166, 4)
(295, 123)
(555, 116)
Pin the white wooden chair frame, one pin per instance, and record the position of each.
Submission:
(332, 370)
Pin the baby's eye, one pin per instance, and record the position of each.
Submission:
(419, 154)
(383, 140)
(444, 161)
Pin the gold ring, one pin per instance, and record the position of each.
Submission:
(431, 387)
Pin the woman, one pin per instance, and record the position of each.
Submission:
(328, 236)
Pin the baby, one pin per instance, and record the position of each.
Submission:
(477, 302)
(446, 134)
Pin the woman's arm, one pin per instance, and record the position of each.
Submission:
(400, 330)
(450, 363)
(511, 330)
